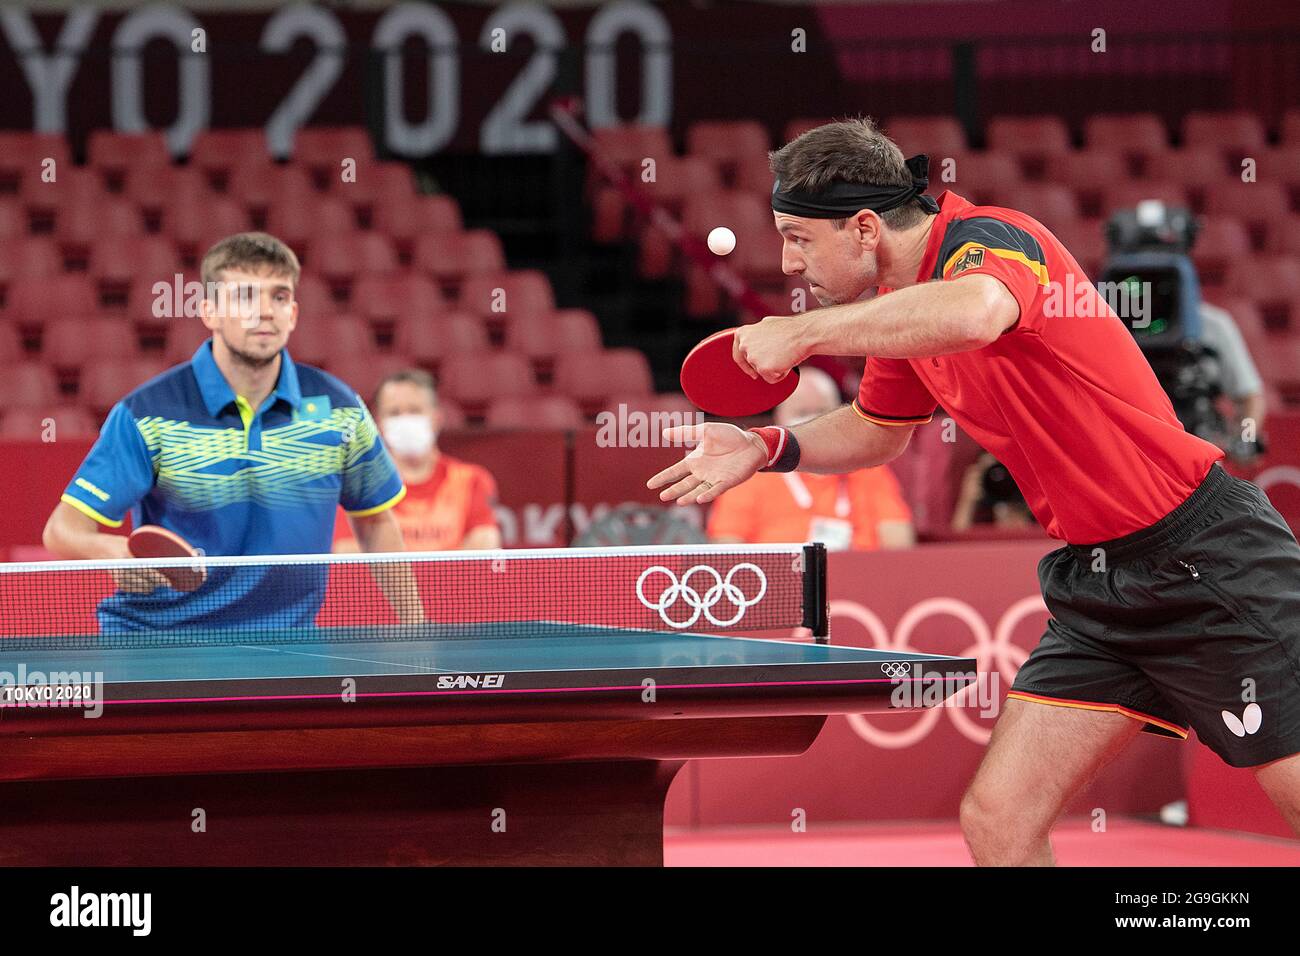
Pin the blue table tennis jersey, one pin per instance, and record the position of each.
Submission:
(185, 452)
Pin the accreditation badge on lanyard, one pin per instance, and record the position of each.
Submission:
(836, 533)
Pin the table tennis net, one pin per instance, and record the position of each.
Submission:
(439, 595)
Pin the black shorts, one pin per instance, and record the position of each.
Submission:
(1192, 622)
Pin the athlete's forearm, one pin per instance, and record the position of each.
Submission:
(842, 441)
(934, 318)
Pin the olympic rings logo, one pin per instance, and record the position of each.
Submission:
(993, 652)
(697, 603)
(895, 669)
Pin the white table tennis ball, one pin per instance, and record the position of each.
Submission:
(721, 241)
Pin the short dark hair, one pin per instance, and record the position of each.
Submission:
(256, 249)
(409, 376)
(851, 150)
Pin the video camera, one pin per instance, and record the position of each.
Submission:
(1151, 283)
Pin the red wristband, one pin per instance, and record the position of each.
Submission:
(782, 449)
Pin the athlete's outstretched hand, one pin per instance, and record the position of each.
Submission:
(723, 457)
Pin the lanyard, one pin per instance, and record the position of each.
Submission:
(803, 497)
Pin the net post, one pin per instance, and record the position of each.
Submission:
(816, 604)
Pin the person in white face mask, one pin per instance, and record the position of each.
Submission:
(448, 503)
(863, 510)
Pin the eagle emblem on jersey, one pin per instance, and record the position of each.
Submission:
(971, 259)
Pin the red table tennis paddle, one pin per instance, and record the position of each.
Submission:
(714, 382)
(151, 541)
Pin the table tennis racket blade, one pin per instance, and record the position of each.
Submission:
(151, 541)
(713, 381)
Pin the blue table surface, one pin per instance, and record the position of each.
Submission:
(466, 649)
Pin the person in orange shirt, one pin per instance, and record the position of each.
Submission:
(862, 510)
(448, 503)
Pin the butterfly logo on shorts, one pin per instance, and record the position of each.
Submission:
(1247, 723)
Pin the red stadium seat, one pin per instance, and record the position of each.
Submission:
(34, 301)
(665, 403)
(80, 224)
(377, 184)
(23, 155)
(303, 221)
(115, 153)
(365, 372)
(1221, 240)
(259, 185)
(535, 336)
(505, 296)
(41, 424)
(117, 260)
(72, 189)
(428, 341)
(154, 188)
(677, 178)
(314, 297)
(346, 335)
(1283, 236)
(29, 257)
(341, 257)
(1282, 165)
(1127, 195)
(13, 221)
(449, 257)
(396, 297)
(802, 124)
(328, 146)
(194, 224)
(1088, 174)
(1029, 138)
(1273, 284)
(1233, 133)
(1132, 134)
(102, 384)
(452, 415)
(184, 336)
(28, 384)
(933, 135)
(327, 338)
(630, 143)
(977, 176)
(1195, 168)
(627, 146)
(576, 330)
(592, 377)
(1051, 204)
(1259, 205)
(1085, 240)
(727, 142)
(1291, 128)
(1279, 366)
(71, 342)
(474, 380)
(753, 175)
(11, 344)
(416, 217)
(758, 260)
(218, 151)
(544, 411)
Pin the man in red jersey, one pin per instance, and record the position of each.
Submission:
(1176, 600)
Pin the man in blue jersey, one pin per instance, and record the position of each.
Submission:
(240, 451)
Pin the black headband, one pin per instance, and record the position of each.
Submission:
(840, 199)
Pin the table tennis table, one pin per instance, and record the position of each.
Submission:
(540, 743)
